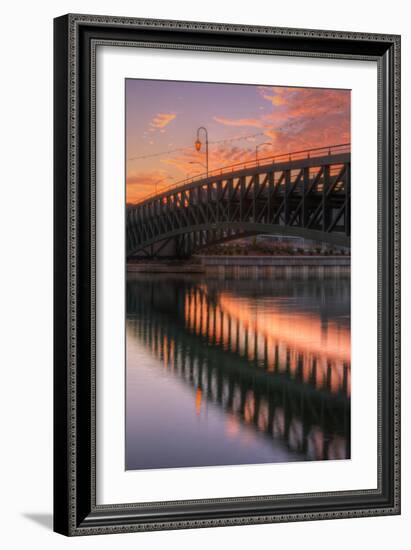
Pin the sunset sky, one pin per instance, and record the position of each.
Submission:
(162, 118)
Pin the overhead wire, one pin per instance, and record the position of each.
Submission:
(212, 142)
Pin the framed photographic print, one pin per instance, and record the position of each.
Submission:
(227, 280)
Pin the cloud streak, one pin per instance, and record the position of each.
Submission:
(255, 123)
(161, 120)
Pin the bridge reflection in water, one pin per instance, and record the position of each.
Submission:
(235, 371)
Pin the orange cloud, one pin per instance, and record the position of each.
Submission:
(276, 99)
(162, 119)
(140, 184)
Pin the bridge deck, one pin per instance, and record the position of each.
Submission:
(261, 168)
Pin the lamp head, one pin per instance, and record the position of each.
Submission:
(197, 144)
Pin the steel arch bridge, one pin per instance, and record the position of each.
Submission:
(304, 194)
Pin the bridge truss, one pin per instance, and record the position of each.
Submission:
(307, 197)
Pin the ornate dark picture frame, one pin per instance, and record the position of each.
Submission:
(76, 38)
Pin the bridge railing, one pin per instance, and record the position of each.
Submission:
(263, 161)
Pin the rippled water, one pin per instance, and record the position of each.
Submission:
(245, 370)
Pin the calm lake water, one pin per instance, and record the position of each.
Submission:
(237, 370)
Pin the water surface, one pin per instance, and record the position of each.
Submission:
(236, 370)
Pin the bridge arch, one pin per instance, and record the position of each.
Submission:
(183, 242)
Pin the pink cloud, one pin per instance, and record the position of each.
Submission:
(301, 117)
(254, 122)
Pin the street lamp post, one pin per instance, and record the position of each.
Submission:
(258, 146)
(198, 144)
